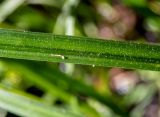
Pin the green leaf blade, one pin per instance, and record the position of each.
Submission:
(79, 50)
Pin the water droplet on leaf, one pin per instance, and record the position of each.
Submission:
(62, 57)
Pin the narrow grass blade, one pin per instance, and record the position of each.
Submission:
(74, 86)
(8, 7)
(55, 77)
(80, 88)
(28, 107)
(79, 50)
(53, 3)
(37, 79)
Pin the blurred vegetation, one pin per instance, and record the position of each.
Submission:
(58, 89)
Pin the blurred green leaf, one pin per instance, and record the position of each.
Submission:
(26, 106)
(137, 3)
(48, 75)
(54, 3)
(153, 24)
(8, 7)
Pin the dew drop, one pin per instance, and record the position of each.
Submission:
(93, 65)
(57, 55)
(62, 57)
